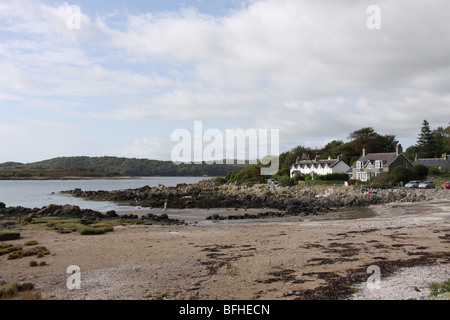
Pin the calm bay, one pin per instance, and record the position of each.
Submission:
(40, 193)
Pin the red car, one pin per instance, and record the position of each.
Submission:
(446, 185)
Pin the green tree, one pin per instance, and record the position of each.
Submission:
(288, 158)
(401, 173)
(332, 149)
(442, 136)
(411, 152)
(427, 142)
(371, 140)
(420, 171)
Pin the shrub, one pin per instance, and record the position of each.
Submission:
(33, 263)
(420, 171)
(220, 180)
(285, 181)
(434, 171)
(284, 172)
(401, 174)
(299, 177)
(332, 177)
(384, 180)
(250, 174)
(31, 243)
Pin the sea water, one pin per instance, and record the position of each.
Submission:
(40, 193)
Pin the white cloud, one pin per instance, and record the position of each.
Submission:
(149, 148)
(309, 68)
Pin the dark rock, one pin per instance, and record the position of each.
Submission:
(164, 216)
(111, 214)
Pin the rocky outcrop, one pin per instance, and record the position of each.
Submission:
(71, 211)
(291, 200)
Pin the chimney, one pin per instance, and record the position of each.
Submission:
(399, 149)
(444, 156)
(317, 158)
(417, 157)
(339, 157)
(364, 152)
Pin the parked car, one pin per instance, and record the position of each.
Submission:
(446, 185)
(272, 181)
(412, 184)
(427, 185)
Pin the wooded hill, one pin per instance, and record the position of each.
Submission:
(115, 166)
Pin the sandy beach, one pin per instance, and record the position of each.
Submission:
(312, 257)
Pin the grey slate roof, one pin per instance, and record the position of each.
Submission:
(434, 162)
(319, 163)
(387, 158)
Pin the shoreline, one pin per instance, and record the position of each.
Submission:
(66, 178)
(285, 259)
(93, 178)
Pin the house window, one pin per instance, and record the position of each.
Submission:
(378, 164)
(358, 164)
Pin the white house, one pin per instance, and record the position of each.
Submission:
(318, 166)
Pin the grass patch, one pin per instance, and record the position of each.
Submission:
(6, 235)
(19, 291)
(440, 288)
(6, 248)
(156, 296)
(84, 227)
(38, 251)
(95, 230)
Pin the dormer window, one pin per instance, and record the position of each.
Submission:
(378, 164)
(359, 164)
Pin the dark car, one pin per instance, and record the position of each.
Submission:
(272, 181)
(446, 185)
(427, 185)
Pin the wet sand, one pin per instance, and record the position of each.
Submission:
(312, 257)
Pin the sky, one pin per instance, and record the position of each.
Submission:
(118, 78)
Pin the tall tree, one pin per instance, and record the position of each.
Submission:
(288, 158)
(442, 136)
(427, 142)
(372, 141)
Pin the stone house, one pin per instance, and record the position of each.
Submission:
(442, 163)
(371, 165)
